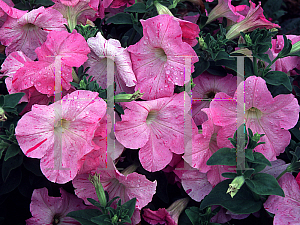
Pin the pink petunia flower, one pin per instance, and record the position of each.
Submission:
(224, 9)
(61, 134)
(77, 11)
(263, 114)
(286, 209)
(157, 127)
(167, 216)
(288, 63)
(206, 87)
(158, 59)
(103, 50)
(30, 31)
(53, 210)
(298, 179)
(61, 48)
(254, 19)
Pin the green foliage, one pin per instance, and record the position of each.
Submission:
(86, 31)
(201, 217)
(32, 4)
(121, 18)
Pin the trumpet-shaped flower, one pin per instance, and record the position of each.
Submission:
(263, 115)
(286, 209)
(206, 87)
(30, 31)
(224, 9)
(60, 48)
(254, 19)
(159, 58)
(285, 64)
(61, 134)
(103, 50)
(157, 127)
(53, 210)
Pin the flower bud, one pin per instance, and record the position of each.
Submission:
(256, 137)
(177, 207)
(295, 47)
(99, 188)
(2, 115)
(248, 40)
(128, 97)
(161, 9)
(235, 185)
(202, 43)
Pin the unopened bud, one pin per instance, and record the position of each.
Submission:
(99, 188)
(2, 115)
(202, 43)
(161, 9)
(295, 47)
(235, 185)
(128, 97)
(248, 40)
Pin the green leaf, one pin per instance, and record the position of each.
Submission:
(44, 2)
(258, 167)
(249, 154)
(33, 165)
(200, 67)
(102, 220)
(266, 184)
(263, 57)
(229, 175)
(130, 205)
(1, 100)
(12, 181)
(120, 18)
(84, 216)
(138, 7)
(12, 150)
(224, 156)
(286, 49)
(222, 55)
(261, 159)
(119, 109)
(95, 203)
(11, 164)
(242, 203)
(10, 101)
(277, 78)
(193, 214)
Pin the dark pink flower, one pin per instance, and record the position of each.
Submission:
(254, 19)
(167, 216)
(158, 59)
(53, 210)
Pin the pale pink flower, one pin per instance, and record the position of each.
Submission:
(126, 185)
(158, 59)
(224, 9)
(103, 50)
(53, 210)
(157, 127)
(298, 179)
(288, 63)
(206, 87)
(254, 19)
(7, 9)
(286, 209)
(61, 134)
(263, 115)
(30, 31)
(70, 49)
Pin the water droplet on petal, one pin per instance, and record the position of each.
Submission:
(49, 88)
(38, 84)
(167, 71)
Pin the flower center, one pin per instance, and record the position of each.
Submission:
(151, 116)
(29, 26)
(63, 123)
(211, 94)
(160, 53)
(253, 113)
(56, 219)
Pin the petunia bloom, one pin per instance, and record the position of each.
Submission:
(286, 209)
(53, 210)
(61, 134)
(103, 50)
(167, 216)
(157, 127)
(254, 19)
(60, 48)
(206, 87)
(30, 31)
(263, 115)
(288, 63)
(159, 58)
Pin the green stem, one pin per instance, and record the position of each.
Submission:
(274, 60)
(255, 66)
(280, 175)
